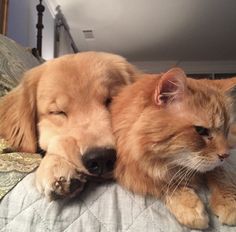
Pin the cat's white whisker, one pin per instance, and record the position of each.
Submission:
(174, 179)
(182, 178)
(185, 176)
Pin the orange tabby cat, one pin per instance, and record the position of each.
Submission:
(171, 135)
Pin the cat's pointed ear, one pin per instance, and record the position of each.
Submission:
(171, 87)
(229, 88)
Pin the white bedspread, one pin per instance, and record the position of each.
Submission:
(104, 207)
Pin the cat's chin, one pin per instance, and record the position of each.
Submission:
(206, 168)
(201, 167)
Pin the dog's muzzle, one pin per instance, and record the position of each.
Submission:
(99, 161)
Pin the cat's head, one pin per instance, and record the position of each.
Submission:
(186, 122)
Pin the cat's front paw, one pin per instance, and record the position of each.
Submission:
(226, 211)
(188, 209)
(193, 217)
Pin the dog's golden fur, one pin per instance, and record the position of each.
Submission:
(61, 106)
(171, 134)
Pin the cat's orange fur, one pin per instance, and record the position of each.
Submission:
(161, 152)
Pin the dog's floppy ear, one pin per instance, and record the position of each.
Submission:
(121, 73)
(18, 114)
(125, 70)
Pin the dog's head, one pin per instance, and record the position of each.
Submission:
(62, 106)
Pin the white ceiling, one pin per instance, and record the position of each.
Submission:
(155, 29)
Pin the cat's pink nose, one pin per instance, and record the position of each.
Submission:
(223, 156)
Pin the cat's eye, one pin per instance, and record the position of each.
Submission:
(107, 101)
(202, 130)
(62, 113)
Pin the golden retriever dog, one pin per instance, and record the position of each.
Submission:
(172, 134)
(62, 107)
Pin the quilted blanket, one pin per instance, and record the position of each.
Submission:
(102, 207)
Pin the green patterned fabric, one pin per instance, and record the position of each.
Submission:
(14, 61)
(14, 166)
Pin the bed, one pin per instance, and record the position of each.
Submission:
(104, 207)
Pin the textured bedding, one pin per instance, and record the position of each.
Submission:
(104, 207)
(14, 166)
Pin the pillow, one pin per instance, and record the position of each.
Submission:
(14, 61)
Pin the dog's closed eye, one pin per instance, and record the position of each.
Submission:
(58, 112)
(107, 101)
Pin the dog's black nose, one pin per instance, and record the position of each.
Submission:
(99, 161)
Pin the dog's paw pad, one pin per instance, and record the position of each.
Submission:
(60, 187)
(66, 188)
(59, 183)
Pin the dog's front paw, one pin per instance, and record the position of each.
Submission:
(226, 211)
(57, 178)
(62, 187)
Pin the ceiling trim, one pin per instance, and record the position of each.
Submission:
(200, 67)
